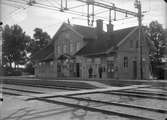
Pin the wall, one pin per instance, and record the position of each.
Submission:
(68, 42)
(96, 63)
(67, 37)
(46, 69)
(130, 49)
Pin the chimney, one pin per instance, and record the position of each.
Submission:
(99, 26)
(109, 28)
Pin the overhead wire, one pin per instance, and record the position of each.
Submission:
(77, 6)
(15, 1)
(68, 11)
(10, 5)
(55, 8)
(51, 3)
(18, 7)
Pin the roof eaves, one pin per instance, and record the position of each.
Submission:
(124, 39)
(91, 54)
(49, 57)
(56, 34)
(113, 47)
(109, 50)
(69, 27)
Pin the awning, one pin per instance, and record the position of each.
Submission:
(65, 56)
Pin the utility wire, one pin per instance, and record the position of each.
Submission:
(77, 6)
(15, 1)
(49, 7)
(51, 3)
(14, 11)
(11, 5)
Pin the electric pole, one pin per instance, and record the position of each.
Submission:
(138, 6)
(1, 43)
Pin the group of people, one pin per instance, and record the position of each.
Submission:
(100, 72)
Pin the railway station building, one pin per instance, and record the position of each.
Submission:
(89, 52)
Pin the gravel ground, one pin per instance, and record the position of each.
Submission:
(36, 89)
(15, 108)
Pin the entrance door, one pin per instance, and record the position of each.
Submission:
(134, 70)
(110, 69)
(77, 69)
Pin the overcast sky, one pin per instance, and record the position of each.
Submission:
(31, 17)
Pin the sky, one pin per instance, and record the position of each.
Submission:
(30, 17)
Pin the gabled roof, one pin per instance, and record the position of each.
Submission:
(50, 57)
(65, 56)
(86, 32)
(105, 42)
(44, 54)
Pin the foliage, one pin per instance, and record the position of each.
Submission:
(29, 68)
(39, 41)
(157, 36)
(17, 48)
(14, 46)
(9, 71)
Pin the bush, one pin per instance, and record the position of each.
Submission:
(29, 69)
(8, 71)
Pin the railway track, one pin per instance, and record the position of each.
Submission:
(163, 94)
(10, 93)
(106, 107)
(48, 86)
(137, 95)
(97, 105)
(27, 91)
(94, 109)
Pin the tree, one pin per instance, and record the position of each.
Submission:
(39, 41)
(14, 46)
(29, 68)
(156, 34)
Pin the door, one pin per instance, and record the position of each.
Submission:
(77, 70)
(110, 69)
(134, 70)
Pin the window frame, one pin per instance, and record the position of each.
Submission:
(125, 62)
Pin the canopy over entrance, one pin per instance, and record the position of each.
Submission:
(65, 56)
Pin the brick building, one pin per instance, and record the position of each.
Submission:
(87, 52)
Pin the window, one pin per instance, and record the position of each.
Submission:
(110, 66)
(65, 49)
(58, 68)
(71, 47)
(51, 63)
(40, 64)
(58, 50)
(78, 46)
(137, 44)
(125, 62)
(67, 35)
